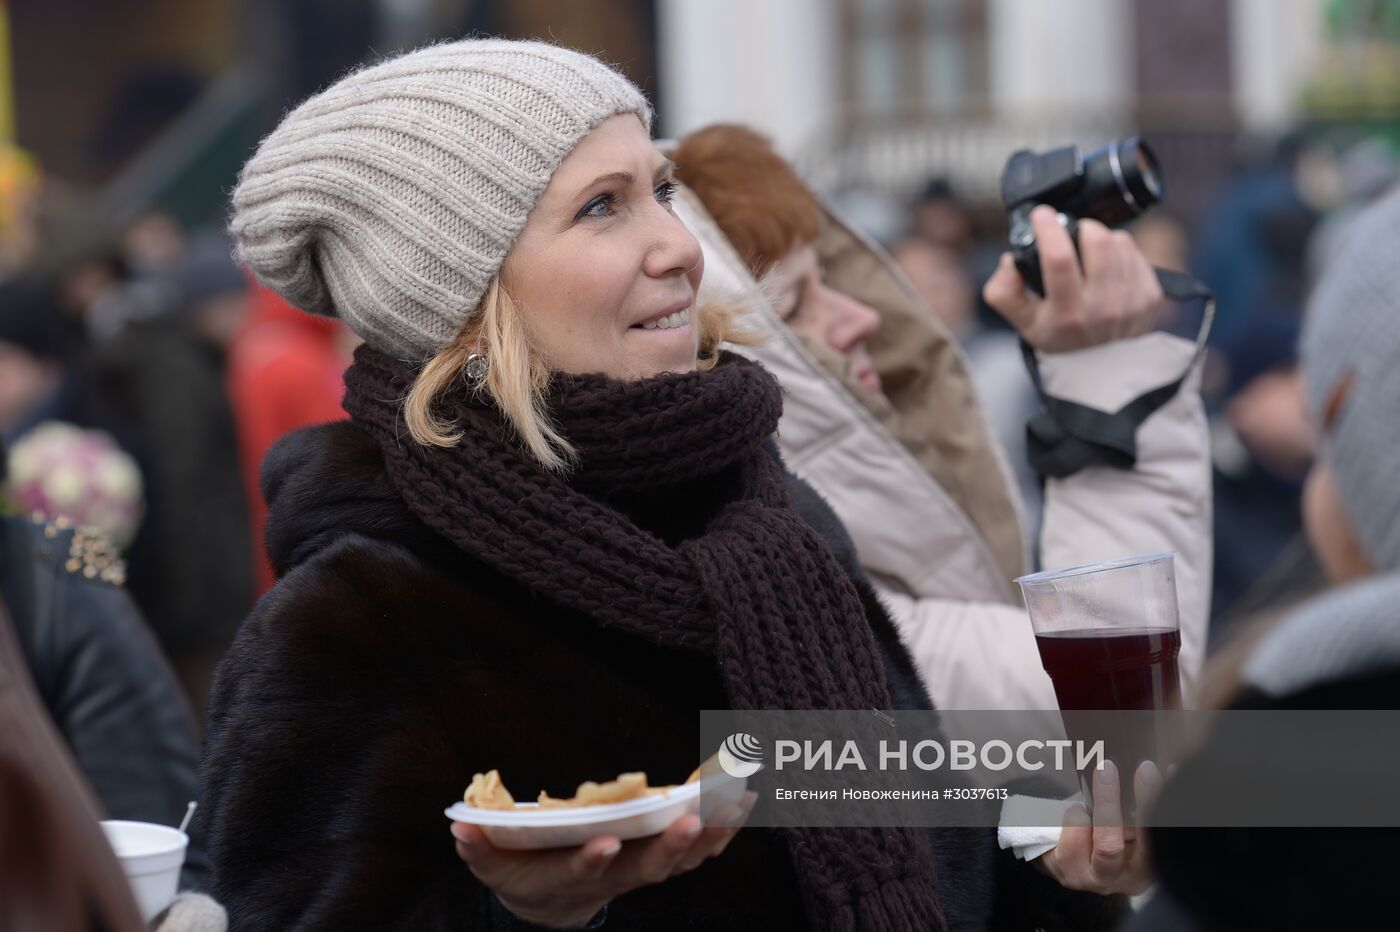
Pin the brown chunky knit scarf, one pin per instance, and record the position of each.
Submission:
(758, 589)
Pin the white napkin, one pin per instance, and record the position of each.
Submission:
(1029, 842)
(1019, 830)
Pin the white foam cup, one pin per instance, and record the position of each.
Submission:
(151, 855)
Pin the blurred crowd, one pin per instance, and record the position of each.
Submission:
(142, 378)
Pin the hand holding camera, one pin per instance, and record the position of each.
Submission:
(1113, 296)
(1056, 201)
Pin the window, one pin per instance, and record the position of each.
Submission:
(914, 57)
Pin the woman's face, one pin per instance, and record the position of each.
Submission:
(815, 309)
(604, 273)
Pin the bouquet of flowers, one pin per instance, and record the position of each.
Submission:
(62, 471)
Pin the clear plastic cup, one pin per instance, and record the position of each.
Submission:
(151, 856)
(1109, 634)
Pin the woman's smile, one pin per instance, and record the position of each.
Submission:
(674, 317)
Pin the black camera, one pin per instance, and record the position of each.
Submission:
(1112, 184)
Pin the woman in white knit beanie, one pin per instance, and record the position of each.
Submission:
(553, 531)
(392, 199)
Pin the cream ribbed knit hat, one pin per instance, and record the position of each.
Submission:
(391, 198)
(1352, 332)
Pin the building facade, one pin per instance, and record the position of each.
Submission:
(881, 94)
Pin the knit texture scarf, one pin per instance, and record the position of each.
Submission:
(759, 589)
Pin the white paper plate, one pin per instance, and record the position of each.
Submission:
(528, 826)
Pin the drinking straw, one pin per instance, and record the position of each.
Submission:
(189, 814)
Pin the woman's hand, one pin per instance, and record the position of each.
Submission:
(566, 887)
(1101, 854)
(1114, 295)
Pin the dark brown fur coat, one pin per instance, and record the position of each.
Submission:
(387, 667)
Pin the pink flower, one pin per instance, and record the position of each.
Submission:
(64, 471)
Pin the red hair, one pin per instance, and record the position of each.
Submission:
(759, 202)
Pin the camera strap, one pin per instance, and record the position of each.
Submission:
(1066, 436)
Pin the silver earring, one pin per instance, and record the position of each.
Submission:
(476, 368)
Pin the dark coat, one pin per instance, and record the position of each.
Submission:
(103, 681)
(387, 667)
(191, 569)
(1276, 879)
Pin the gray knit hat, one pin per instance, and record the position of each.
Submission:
(391, 198)
(1352, 330)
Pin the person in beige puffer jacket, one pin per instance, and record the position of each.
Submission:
(881, 417)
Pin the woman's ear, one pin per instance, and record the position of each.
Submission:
(1336, 401)
(1329, 530)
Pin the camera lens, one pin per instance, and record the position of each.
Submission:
(1139, 174)
(1148, 169)
(1121, 180)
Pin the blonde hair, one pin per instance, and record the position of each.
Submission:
(517, 377)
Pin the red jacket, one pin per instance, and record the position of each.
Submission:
(284, 372)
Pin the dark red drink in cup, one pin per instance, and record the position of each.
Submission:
(1109, 635)
(1113, 668)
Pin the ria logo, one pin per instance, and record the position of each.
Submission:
(741, 755)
